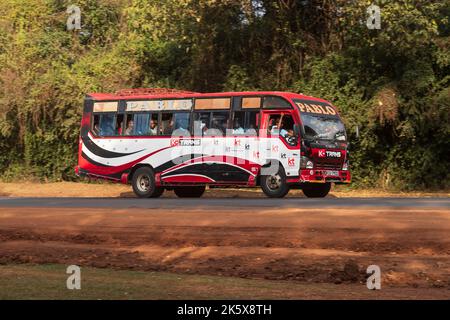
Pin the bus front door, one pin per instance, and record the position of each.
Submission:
(279, 141)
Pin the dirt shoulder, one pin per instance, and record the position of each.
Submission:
(80, 189)
(329, 246)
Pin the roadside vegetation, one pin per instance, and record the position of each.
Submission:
(393, 83)
(48, 282)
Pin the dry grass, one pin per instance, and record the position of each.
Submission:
(25, 282)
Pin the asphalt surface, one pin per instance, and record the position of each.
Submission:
(121, 203)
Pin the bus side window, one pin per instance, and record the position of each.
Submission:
(238, 123)
(251, 124)
(177, 123)
(273, 125)
(219, 124)
(275, 103)
(201, 123)
(107, 125)
(181, 123)
(153, 125)
(141, 124)
(166, 124)
(129, 125)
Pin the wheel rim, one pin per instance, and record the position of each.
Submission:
(274, 182)
(143, 183)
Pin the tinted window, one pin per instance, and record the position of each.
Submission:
(275, 103)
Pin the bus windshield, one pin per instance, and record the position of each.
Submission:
(323, 127)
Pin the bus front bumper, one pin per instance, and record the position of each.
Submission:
(324, 175)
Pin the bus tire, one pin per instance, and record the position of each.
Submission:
(275, 186)
(189, 192)
(143, 183)
(316, 190)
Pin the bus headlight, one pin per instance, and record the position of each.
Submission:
(306, 163)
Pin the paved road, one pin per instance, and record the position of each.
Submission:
(224, 202)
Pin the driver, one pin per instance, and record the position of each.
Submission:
(285, 132)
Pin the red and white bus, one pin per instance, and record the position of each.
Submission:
(166, 139)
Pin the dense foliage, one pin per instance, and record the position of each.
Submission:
(393, 83)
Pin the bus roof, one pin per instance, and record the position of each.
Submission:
(147, 94)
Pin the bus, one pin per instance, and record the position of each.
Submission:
(167, 139)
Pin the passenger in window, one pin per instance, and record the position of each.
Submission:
(237, 127)
(129, 129)
(153, 128)
(214, 131)
(251, 131)
(169, 127)
(274, 125)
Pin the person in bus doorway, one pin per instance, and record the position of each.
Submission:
(129, 129)
(153, 130)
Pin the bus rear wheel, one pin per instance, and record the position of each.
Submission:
(274, 185)
(189, 192)
(316, 190)
(143, 184)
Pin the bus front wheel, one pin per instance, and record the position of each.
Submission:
(143, 183)
(274, 185)
(316, 190)
(189, 192)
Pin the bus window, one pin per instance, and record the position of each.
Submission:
(129, 125)
(175, 123)
(181, 123)
(273, 126)
(201, 122)
(245, 123)
(287, 126)
(107, 125)
(166, 124)
(140, 124)
(238, 123)
(219, 123)
(251, 125)
(153, 125)
(275, 103)
(283, 126)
